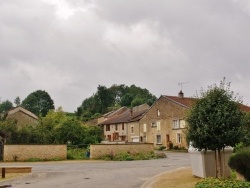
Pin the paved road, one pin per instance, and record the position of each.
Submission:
(95, 174)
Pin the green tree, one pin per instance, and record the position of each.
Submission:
(246, 129)
(71, 131)
(106, 99)
(38, 102)
(17, 101)
(127, 99)
(215, 121)
(5, 106)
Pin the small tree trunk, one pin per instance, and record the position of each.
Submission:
(219, 171)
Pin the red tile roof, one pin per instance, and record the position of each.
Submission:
(183, 101)
(127, 116)
(189, 102)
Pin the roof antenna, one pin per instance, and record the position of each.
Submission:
(181, 83)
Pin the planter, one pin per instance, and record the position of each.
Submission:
(203, 163)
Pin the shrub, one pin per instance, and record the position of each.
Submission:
(76, 153)
(126, 156)
(123, 156)
(240, 162)
(222, 183)
(161, 148)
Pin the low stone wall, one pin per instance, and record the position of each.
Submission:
(24, 152)
(97, 150)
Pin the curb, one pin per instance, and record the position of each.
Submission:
(151, 181)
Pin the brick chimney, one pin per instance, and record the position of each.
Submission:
(180, 94)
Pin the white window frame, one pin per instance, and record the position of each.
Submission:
(158, 125)
(158, 113)
(182, 123)
(158, 136)
(144, 127)
(176, 124)
(153, 124)
(178, 138)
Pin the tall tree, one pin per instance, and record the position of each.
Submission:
(5, 106)
(38, 102)
(215, 121)
(17, 101)
(106, 99)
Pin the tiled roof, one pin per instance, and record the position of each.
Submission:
(183, 101)
(189, 102)
(129, 115)
(244, 108)
(19, 108)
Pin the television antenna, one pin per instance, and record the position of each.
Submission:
(181, 83)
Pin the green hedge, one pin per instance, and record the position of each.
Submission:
(240, 162)
(222, 183)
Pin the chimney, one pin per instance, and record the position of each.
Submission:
(181, 94)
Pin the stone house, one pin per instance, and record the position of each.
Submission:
(122, 125)
(165, 121)
(22, 116)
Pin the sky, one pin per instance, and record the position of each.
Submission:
(69, 47)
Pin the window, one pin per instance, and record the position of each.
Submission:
(123, 126)
(132, 129)
(107, 127)
(144, 127)
(176, 124)
(116, 127)
(153, 124)
(158, 126)
(178, 138)
(158, 139)
(182, 124)
(158, 113)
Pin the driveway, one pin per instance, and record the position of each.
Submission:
(95, 174)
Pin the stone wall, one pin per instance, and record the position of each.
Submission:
(97, 150)
(24, 152)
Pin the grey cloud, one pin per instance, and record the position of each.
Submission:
(151, 44)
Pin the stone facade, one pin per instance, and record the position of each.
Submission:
(165, 122)
(97, 150)
(133, 131)
(123, 124)
(22, 116)
(24, 152)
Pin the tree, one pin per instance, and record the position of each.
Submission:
(71, 131)
(5, 106)
(38, 102)
(215, 121)
(246, 129)
(17, 101)
(106, 99)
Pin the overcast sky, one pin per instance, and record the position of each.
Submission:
(69, 47)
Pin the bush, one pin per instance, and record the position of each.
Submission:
(161, 148)
(76, 154)
(240, 162)
(126, 156)
(222, 183)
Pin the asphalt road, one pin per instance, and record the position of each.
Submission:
(95, 174)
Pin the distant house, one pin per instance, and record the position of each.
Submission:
(122, 125)
(22, 116)
(165, 121)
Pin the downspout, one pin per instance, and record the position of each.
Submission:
(139, 132)
(127, 132)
